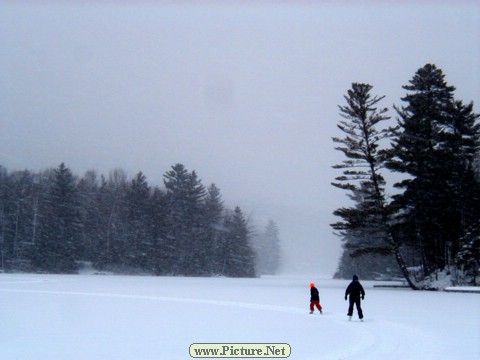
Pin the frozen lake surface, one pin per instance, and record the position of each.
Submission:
(138, 317)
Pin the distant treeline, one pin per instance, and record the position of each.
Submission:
(50, 221)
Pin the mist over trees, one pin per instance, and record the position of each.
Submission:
(267, 248)
(431, 223)
(49, 221)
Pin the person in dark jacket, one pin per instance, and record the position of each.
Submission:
(356, 292)
(314, 299)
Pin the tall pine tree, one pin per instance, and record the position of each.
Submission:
(434, 146)
(238, 255)
(369, 219)
(140, 241)
(60, 240)
(185, 199)
(214, 209)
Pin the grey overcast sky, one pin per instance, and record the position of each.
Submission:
(243, 92)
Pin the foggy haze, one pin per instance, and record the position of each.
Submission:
(246, 95)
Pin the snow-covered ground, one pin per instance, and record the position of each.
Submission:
(117, 317)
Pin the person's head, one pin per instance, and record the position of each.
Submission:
(355, 278)
(312, 285)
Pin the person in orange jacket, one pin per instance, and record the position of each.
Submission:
(314, 299)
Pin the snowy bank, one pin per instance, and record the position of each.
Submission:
(463, 289)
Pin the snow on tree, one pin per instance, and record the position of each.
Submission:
(468, 257)
(434, 146)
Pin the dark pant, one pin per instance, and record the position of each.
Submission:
(355, 301)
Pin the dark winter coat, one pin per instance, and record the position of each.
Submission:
(314, 296)
(355, 290)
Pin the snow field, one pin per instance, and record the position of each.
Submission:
(118, 317)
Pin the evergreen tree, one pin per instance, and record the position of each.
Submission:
(158, 255)
(140, 241)
(460, 143)
(59, 245)
(21, 194)
(213, 225)
(468, 257)
(238, 255)
(434, 145)
(118, 223)
(111, 239)
(88, 189)
(366, 251)
(50, 221)
(185, 199)
(17, 211)
(369, 219)
(267, 248)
